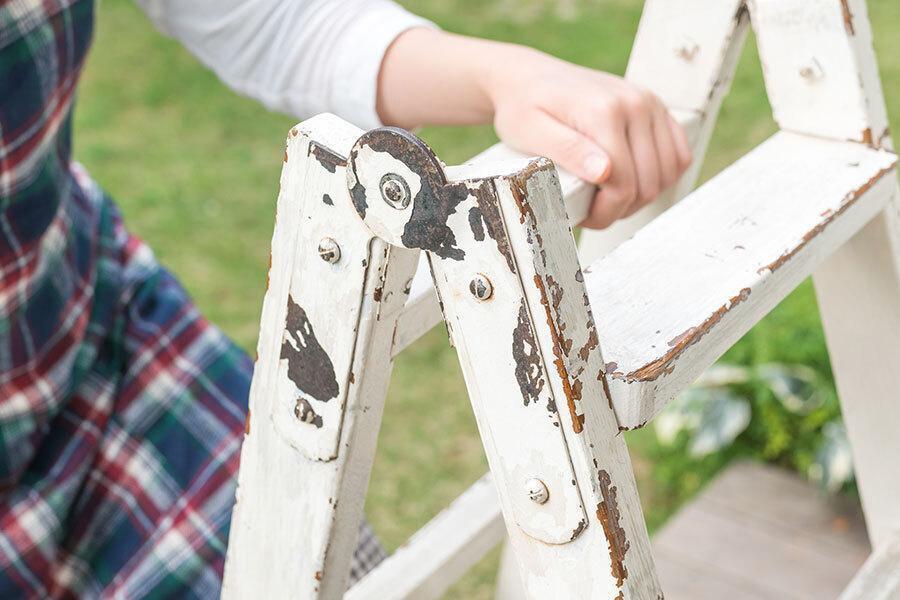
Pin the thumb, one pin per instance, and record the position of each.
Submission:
(565, 146)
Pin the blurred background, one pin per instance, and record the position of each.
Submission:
(195, 169)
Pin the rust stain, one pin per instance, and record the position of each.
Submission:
(609, 516)
(247, 423)
(527, 358)
(318, 575)
(352, 378)
(559, 362)
(682, 342)
(519, 183)
(285, 155)
(377, 294)
(620, 596)
(829, 216)
(848, 17)
(329, 159)
(867, 137)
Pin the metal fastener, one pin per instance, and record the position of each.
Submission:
(329, 250)
(537, 491)
(481, 287)
(811, 70)
(395, 191)
(687, 49)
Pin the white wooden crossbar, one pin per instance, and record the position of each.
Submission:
(879, 577)
(558, 360)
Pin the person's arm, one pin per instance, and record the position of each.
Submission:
(596, 125)
(372, 63)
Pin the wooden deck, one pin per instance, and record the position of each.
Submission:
(758, 532)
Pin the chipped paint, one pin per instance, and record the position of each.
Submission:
(559, 362)
(327, 158)
(609, 517)
(309, 366)
(683, 341)
(247, 423)
(848, 17)
(829, 216)
(527, 358)
(327, 200)
(488, 212)
(305, 413)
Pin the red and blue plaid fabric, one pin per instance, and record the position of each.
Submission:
(121, 408)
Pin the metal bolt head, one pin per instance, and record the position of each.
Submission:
(394, 191)
(481, 287)
(329, 250)
(537, 491)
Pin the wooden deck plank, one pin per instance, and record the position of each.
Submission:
(760, 532)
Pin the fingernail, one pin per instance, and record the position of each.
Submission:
(595, 166)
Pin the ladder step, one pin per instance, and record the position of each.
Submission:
(441, 552)
(671, 300)
(879, 577)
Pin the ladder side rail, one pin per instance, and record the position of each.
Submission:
(320, 380)
(879, 577)
(822, 79)
(506, 270)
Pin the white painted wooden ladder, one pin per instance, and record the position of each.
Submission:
(559, 360)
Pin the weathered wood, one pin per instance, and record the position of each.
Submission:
(505, 265)
(822, 77)
(320, 381)
(879, 577)
(439, 553)
(672, 299)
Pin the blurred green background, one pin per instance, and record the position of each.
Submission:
(195, 169)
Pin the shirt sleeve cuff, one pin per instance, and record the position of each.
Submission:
(364, 44)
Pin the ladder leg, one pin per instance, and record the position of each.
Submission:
(506, 271)
(320, 380)
(822, 79)
(509, 580)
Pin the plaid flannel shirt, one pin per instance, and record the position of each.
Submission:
(121, 408)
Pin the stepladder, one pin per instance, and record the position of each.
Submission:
(376, 241)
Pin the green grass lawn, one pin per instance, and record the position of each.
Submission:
(195, 169)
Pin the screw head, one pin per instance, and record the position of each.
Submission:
(395, 191)
(537, 491)
(329, 251)
(481, 287)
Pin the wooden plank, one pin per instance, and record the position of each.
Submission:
(505, 266)
(879, 577)
(320, 380)
(713, 549)
(439, 553)
(858, 288)
(672, 299)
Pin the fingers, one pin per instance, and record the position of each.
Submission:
(565, 146)
(620, 190)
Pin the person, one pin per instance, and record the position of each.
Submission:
(121, 408)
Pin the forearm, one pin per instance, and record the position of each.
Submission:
(430, 77)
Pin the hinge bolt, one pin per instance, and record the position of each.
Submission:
(481, 287)
(329, 250)
(537, 491)
(394, 191)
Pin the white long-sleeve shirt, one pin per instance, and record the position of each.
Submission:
(302, 57)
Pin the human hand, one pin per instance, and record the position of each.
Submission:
(600, 127)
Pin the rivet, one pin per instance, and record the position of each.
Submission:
(329, 250)
(481, 287)
(537, 491)
(687, 49)
(811, 70)
(394, 191)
